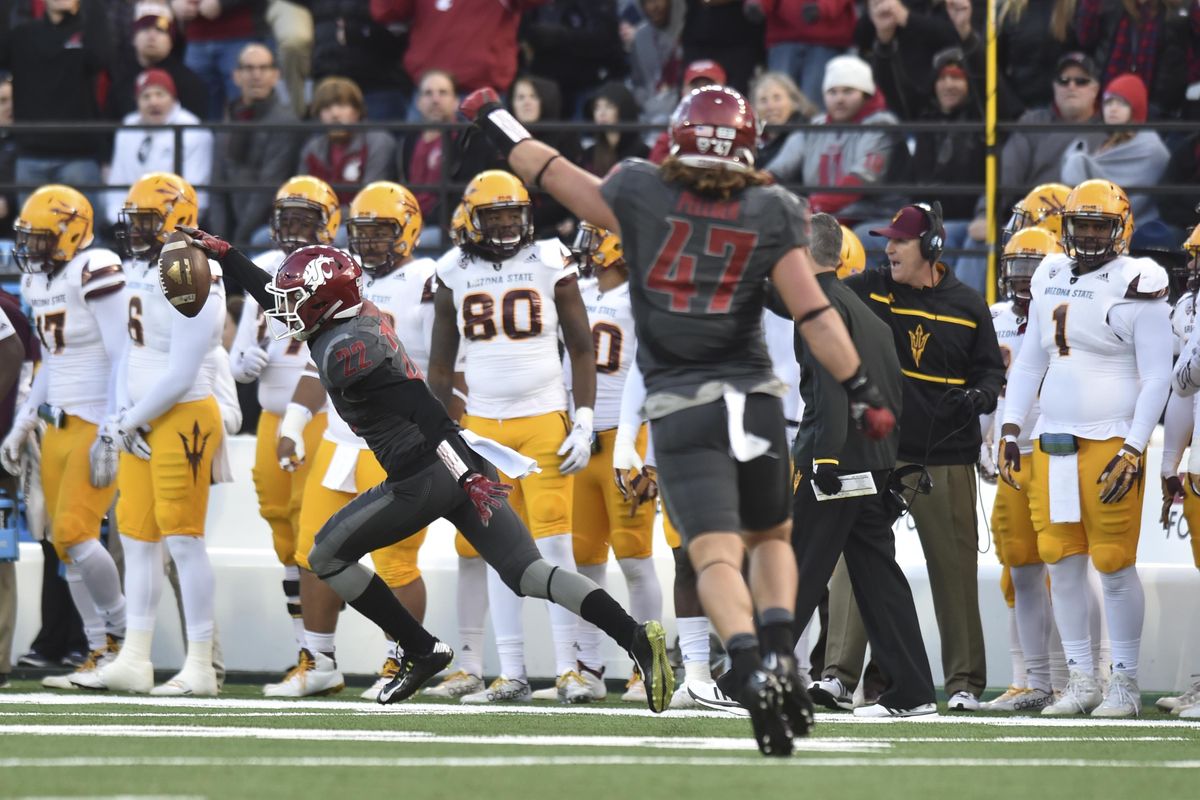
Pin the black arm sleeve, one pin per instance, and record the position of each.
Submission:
(253, 279)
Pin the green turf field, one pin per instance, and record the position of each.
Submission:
(94, 745)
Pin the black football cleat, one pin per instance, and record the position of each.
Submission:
(414, 672)
(649, 654)
(796, 704)
(762, 697)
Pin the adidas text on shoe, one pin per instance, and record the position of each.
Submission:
(454, 685)
(501, 690)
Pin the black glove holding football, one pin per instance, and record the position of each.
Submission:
(868, 409)
(826, 478)
(483, 110)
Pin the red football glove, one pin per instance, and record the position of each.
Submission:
(215, 246)
(476, 101)
(485, 494)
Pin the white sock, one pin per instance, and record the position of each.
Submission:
(99, 573)
(196, 585)
(143, 583)
(93, 622)
(392, 650)
(1069, 587)
(505, 612)
(1032, 612)
(321, 642)
(645, 592)
(1101, 649)
(1014, 651)
(693, 644)
(1125, 608)
(291, 578)
(472, 611)
(1058, 659)
(199, 655)
(590, 637)
(564, 624)
(803, 652)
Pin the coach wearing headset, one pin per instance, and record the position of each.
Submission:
(953, 372)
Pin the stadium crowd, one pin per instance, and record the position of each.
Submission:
(836, 83)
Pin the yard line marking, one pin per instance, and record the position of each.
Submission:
(451, 709)
(423, 737)
(577, 761)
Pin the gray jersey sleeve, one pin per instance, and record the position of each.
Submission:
(352, 354)
(785, 218)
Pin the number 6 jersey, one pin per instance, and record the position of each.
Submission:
(508, 324)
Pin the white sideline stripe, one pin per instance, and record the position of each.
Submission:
(423, 737)
(492, 762)
(450, 709)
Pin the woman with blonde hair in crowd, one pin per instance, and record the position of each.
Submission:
(777, 100)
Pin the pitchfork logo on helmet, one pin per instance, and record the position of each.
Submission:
(714, 127)
(314, 285)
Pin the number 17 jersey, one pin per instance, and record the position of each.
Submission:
(697, 272)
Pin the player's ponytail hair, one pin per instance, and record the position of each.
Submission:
(720, 184)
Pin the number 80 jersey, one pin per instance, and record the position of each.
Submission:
(508, 326)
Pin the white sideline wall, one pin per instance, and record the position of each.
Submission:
(256, 632)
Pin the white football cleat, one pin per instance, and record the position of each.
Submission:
(682, 698)
(96, 659)
(314, 675)
(386, 673)
(1191, 712)
(708, 694)
(635, 690)
(194, 680)
(456, 684)
(1018, 699)
(501, 690)
(1177, 703)
(1123, 698)
(963, 701)
(594, 680)
(125, 673)
(879, 711)
(1080, 696)
(831, 693)
(565, 686)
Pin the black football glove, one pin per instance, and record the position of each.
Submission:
(1172, 488)
(868, 409)
(826, 478)
(978, 400)
(483, 110)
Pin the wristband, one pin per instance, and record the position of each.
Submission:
(503, 130)
(584, 417)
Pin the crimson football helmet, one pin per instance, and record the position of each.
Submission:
(315, 284)
(714, 127)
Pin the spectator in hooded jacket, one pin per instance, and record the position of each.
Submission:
(345, 159)
(576, 44)
(803, 35)
(612, 104)
(656, 59)
(1144, 37)
(1031, 36)
(349, 44)
(1127, 158)
(153, 46)
(896, 38)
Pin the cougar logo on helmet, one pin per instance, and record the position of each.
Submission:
(318, 271)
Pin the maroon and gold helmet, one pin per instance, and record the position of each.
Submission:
(313, 285)
(715, 128)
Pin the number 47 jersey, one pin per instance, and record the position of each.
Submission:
(697, 272)
(508, 327)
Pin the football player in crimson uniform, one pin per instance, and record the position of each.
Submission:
(431, 470)
(170, 429)
(305, 212)
(503, 303)
(701, 233)
(603, 516)
(77, 298)
(1181, 425)
(1094, 354)
(384, 228)
(1024, 578)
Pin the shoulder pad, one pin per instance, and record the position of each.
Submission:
(1051, 265)
(99, 273)
(553, 254)
(354, 351)
(998, 309)
(1143, 279)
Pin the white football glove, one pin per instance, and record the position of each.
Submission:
(987, 463)
(13, 447)
(577, 447)
(289, 444)
(128, 438)
(103, 457)
(254, 361)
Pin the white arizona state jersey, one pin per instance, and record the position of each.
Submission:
(151, 317)
(405, 299)
(1183, 318)
(1010, 333)
(285, 357)
(76, 362)
(508, 327)
(611, 320)
(1086, 322)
